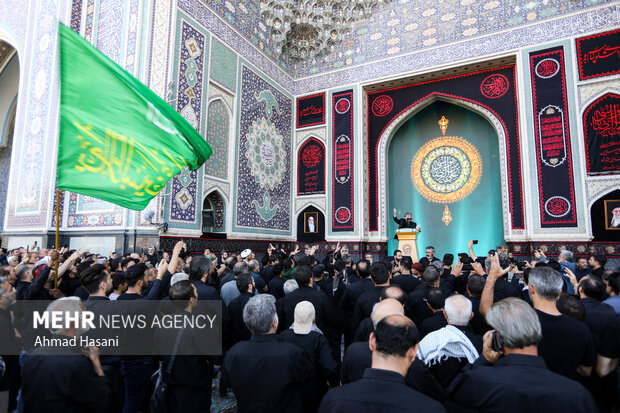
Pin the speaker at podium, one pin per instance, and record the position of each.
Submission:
(407, 242)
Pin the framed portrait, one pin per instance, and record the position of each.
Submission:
(612, 214)
(311, 222)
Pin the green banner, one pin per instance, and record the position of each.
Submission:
(119, 141)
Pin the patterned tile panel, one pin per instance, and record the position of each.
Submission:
(192, 47)
(223, 65)
(218, 131)
(263, 189)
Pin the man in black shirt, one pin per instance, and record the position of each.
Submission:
(350, 296)
(265, 373)
(327, 319)
(475, 285)
(239, 331)
(406, 280)
(447, 350)
(383, 388)
(363, 306)
(597, 263)
(430, 256)
(267, 272)
(415, 307)
(435, 300)
(276, 284)
(63, 378)
(200, 269)
(510, 376)
(566, 344)
(598, 315)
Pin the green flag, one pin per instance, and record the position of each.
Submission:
(119, 141)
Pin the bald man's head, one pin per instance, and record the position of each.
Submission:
(394, 292)
(394, 336)
(385, 308)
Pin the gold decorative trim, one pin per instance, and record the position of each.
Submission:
(451, 149)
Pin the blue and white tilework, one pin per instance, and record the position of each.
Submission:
(218, 130)
(192, 46)
(264, 155)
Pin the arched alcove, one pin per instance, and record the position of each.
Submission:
(601, 213)
(311, 225)
(218, 132)
(213, 211)
(419, 151)
(9, 84)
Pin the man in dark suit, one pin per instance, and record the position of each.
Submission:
(382, 388)
(278, 369)
(513, 378)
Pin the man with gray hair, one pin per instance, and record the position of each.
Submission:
(510, 376)
(567, 346)
(449, 349)
(229, 291)
(266, 374)
(254, 268)
(66, 378)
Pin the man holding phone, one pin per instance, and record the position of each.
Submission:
(510, 374)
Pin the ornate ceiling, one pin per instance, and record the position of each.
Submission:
(404, 26)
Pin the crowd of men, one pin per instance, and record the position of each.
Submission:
(299, 334)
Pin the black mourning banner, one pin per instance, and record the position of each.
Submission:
(601, 123)
(493, 90)
(342, 138)
(311, 110)
(311, 168)
(598, 55)
(551, 126)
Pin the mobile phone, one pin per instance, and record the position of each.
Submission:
(496, 344)
(474, 242)
(35, 243)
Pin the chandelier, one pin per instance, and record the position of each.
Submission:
(307, 29)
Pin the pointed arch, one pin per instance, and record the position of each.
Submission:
(600, 132)
(390, 130)
(214, 211)
(218, 136)
(311, 157)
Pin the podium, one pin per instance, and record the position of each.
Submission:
(407, 242)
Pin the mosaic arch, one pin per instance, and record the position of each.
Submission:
(218, 132)
(383, 148)
(218, 205)
(495, 98)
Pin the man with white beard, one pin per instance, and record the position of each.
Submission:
(615, 218)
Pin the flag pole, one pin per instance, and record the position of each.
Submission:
(57, 235)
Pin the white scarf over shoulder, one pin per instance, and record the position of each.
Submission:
(445, 343)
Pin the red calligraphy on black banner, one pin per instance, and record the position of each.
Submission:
(598, 55)
(311, 168)
(311, 110)
(342, 184)
(551, 126)
(601, 122)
